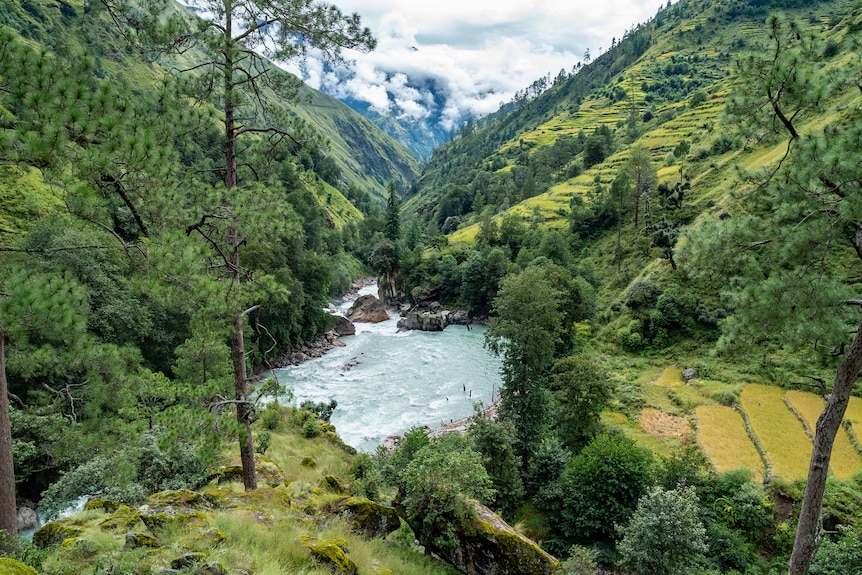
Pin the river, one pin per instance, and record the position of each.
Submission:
(386, 382)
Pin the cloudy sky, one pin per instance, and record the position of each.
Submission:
(473, 54)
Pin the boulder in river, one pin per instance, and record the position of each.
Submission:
(425, 321)
(367, 309)
(344, 326)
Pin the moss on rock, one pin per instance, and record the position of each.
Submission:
(489, 546)
(108, 505)
(12, 567)
(158, 518)
(332, 552)
(333, 484)
(369, 518)
(122, 518)
(54, 533)
(136, 540)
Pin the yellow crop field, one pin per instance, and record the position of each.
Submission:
(854, 414)
(845, 461)
(780, 433)
(722, 437)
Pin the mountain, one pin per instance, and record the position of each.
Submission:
(666, 81)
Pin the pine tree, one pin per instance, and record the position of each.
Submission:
(392, 226)
(779, 248)
(234, 73)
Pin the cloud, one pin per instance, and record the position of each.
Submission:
(450, 59)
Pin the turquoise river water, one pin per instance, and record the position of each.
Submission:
(386, 382)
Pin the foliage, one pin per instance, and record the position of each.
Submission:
(665, 535)
(582, 389)
(439, 482)
(525, 331)
(495, 440)
(602, 486)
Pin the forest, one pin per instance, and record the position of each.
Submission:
(671, 233)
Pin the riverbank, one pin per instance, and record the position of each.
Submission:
(459, 426)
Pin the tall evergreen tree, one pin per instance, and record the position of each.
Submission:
(778, 251)
(235, 39)
(392, 225)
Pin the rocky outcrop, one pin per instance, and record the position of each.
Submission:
(424, 321)
(489, 546)
(690, 373)
(369, 518)
(27, 519)
(343, 326)
(435, 318)
(9, 566)
(367, 309)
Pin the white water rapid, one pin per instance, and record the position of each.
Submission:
(386, 382)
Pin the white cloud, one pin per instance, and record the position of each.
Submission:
(474, 54)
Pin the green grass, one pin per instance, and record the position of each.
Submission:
(262, 529)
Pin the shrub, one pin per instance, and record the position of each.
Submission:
(270, 416)
(642, 294)
(309, 428)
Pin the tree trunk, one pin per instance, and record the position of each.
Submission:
(8, 512)
(243, 407)
(809, 532)
(237, 339)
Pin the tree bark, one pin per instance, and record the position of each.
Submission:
(8, 511)
(237, 339)
(809, 532)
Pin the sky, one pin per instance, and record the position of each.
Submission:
(472, 54)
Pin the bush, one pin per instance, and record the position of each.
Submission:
(322, 410)
(310, 428)
(602, 486)
(643, 294)
(270, 416)
(665, 535)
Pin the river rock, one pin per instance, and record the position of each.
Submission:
(27, 519)
(367, 309)
(459, 317)
(425, 321)
(343, 326)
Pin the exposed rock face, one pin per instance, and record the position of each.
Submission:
(690, 373)
(367, 309)
(491, 547)
(344, 326)
(27, 519)
(424, 321)
(369, 518)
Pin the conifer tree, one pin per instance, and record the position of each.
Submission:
(235, 38)
(779, 249)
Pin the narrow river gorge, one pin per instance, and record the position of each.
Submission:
(386, 382)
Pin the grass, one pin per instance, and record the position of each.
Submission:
(781, 434)
(722, 437)
(262, 529)
(845, 461)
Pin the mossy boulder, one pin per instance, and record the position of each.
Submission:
(187, 560)
(54, 533)
(333, 484)
(178, 498)
(227, 474)
(489, 546)
(308, 462)
(378, 570)
(332, 552)
(108, 505)
(12, 567)
(369, 518)
(136, 540)
(122, 518)
(163, 516)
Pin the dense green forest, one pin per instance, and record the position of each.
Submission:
(176, 214)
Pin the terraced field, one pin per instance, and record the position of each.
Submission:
(722, 437)
(768, 431)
